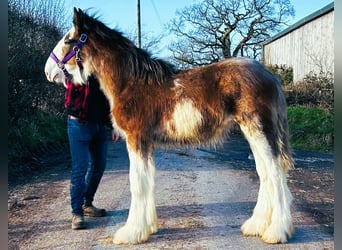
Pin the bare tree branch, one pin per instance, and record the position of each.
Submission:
(211, 30)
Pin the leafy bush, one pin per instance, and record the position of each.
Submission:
(36, 115)
(311, 108)
(311, 129)
(285, 73)
(316, 90)
(35, 107)
(31, 133)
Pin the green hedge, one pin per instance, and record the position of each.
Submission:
(311, 129)
(30, 133)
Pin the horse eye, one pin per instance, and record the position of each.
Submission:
(69, 41)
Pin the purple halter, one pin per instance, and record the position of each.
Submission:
(74, 52)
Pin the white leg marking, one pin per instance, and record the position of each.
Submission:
(151, 215)
(281, 227)
(142, 217)
(271, 217)
(261, 218)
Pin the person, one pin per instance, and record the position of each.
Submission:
(88, 116)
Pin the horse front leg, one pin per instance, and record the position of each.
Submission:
(142, 217)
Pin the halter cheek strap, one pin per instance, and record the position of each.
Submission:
(74, 52)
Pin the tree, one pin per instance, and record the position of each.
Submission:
(34, 27)
(149, 41)
(211, 30)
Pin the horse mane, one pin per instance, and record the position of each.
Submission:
(131, 62)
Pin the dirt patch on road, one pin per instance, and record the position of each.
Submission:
(313, 193)
(32, 188)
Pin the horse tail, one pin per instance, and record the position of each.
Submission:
(285, 152)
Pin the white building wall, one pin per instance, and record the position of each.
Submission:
(309, 48)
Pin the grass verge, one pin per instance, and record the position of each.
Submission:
(311, 129)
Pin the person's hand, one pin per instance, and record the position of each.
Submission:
(115, 136)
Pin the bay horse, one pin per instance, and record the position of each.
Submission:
(153, 105)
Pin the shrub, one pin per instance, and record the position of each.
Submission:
(36, 117)
(285, 73)
(35, 107)
(316, 90)
(311, 129)
(31, 133)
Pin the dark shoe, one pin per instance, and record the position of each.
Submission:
(77, 222)
(92, 211)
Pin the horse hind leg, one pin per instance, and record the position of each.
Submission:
(142, 217)
(261, 218)
(271, 217)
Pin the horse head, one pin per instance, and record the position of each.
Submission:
(68, 58)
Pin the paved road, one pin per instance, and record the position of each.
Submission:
(202, 198)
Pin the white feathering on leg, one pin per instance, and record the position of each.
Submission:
(142, 218)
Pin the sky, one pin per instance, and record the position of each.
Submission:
(155, 14)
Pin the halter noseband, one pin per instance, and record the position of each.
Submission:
(74, 52)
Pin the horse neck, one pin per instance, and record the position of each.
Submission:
(103, 62)
(123, 64)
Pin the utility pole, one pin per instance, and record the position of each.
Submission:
(139, 24)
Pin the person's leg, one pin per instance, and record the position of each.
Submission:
(98, 152)
(79, 139)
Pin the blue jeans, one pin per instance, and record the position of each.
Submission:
(88, 148)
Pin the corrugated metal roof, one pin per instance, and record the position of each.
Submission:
(302, 22)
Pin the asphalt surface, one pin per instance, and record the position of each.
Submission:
(202, 197)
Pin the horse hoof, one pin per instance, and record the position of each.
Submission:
(129, 235)
(253, 227)
(277, 235)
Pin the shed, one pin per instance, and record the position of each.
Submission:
(307, 46)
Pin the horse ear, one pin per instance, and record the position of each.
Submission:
(78, 13)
